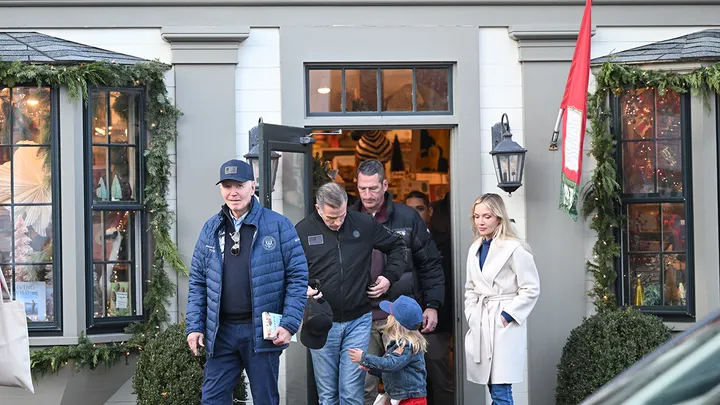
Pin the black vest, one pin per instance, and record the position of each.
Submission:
(236, 295)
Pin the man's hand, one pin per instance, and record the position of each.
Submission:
(355, 355)
(194, 339)
(430, 320)
(311, 292)
(379, 288)
(282, 337)
(504, 321)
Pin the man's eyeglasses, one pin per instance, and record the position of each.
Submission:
(235, 250)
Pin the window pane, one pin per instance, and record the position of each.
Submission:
(638, 168)
(667, 111)
(124, 125)
(432, 89)
(675, 280)
(669, 167)
(361, 89)
(30, 265)
(645, 270)
(674, 234)
(31, 173)
(25, 115)
(5, 114)
(99, 173)
(99, 101)
(114, 235)
(636, 108)
(397, 89)
(324, 90)
(643, 222)
(116, 183)
(6, 234)
(123, 170)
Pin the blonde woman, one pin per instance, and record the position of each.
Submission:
(501, 290)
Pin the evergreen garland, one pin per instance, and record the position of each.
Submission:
(601, 196)
(161, 117)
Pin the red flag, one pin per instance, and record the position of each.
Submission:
(573, 109)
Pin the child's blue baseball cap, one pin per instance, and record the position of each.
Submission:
(406, 310)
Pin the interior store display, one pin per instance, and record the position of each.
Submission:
(415, 159)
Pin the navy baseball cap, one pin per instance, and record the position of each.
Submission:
(236, 170)
(406, 310)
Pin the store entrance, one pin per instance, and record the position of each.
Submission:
(417, 168)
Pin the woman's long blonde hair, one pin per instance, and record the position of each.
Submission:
(496, 205)
(402, 335)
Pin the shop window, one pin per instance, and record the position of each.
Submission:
(654, 164)
(115, 215)
(378, 90)
(29, 197)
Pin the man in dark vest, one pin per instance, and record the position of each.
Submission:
(248, 260)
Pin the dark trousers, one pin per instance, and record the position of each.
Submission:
(234, 353)
(440, 374)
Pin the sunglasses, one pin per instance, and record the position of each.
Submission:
(235, 249)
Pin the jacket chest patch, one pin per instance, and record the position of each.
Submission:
(268, 243)
(315, 240)
(356, 234)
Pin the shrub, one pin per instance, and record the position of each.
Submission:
(602, 347)
(168, 373)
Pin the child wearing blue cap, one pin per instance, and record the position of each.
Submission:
(403, 365)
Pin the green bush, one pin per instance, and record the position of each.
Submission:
(167, 373)
(602, 347)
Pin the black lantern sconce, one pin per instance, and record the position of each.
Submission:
(508, 157)
(253, 157)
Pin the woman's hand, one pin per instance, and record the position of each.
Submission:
(504, 321)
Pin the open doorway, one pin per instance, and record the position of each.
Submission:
(417, 167)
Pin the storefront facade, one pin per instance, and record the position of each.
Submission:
(235, 61)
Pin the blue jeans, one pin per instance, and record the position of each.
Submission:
(501, 394)
(233, 353)
(339, 380)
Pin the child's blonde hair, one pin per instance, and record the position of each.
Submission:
(401, 335)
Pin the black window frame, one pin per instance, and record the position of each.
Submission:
(624, 284)
(379, 68)
(55, 328)
(116, 324)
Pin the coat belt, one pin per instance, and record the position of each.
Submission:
(486, 321)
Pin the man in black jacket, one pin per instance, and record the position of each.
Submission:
(338, 246)
(422, 278)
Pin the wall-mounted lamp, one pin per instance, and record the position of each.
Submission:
(253, 157)
(508, 157)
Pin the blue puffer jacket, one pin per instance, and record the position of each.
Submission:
(278, 274)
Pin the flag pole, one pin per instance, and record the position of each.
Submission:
(556, 133)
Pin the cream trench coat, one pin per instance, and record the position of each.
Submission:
(508, 282)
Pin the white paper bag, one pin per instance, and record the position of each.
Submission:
(14, 342)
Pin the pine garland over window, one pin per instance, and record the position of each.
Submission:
(161, 117)
(601, 196)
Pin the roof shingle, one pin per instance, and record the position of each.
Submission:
(35, 47)
(698, 46)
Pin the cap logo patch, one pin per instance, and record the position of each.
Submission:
(231, 170)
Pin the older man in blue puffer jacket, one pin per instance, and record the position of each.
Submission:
(247, 260)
